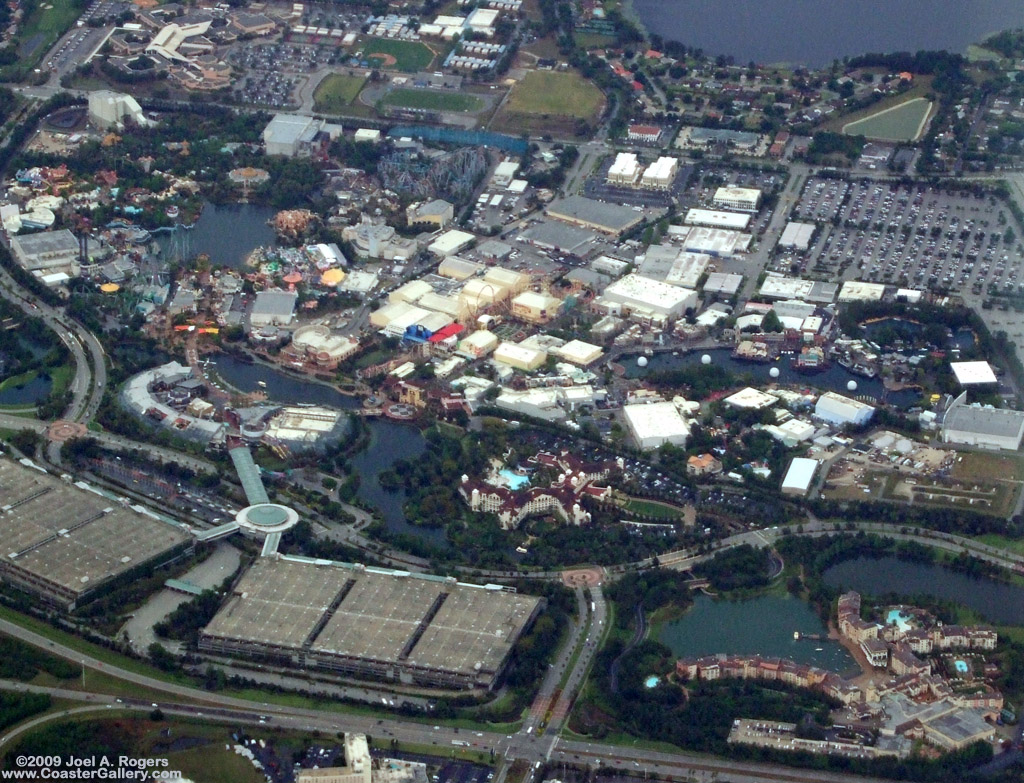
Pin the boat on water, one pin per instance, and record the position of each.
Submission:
(261, 384)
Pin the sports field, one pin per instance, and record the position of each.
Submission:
(403, 55)
(563, 93)
(337, 91)
(433, 100)
(904, 122)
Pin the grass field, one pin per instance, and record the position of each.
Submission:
(407, 55)
(904, 122)
(974, 465)
(562, 93)
(213, 763)
(654, 509)
(337, 91)
(433, 100)
(48, 22)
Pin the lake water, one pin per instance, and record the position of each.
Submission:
(760, 626)
(995, 601)
(815, 33)
(835, 378)
(227, 233)
(27, 394)
(389, 440)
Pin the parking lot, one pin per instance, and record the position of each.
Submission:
(909, 235)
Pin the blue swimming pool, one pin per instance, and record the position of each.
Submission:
(961, 666)
(515, 480)
(652, 681)
(899, 619)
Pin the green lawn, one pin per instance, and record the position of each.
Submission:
(408, 55)
(904, 122)
(652, 508)
(213, 763)
(432, 100)
(23, 379)
(563, 93)
(337, 91)
(49, 21)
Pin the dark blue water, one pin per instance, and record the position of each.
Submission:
(226, 233)
(759, 626)
(389, 440)
(995, 601)
(815, 33)
(28, 394)
(835, 378)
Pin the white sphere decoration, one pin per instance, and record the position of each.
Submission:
(705, 359)
(851, 385)
(774, 372)
(641, 362)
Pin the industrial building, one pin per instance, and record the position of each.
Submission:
(981, 425)
(373, 622)
(799, 477)
(781, 287)
(654, 424)
(745, 199)
(520, 357)
(504, 172)
(716, 242)
(857, 291)
(451, 242)
(535, 308)
(625, 170)
(646, 298)
(733, 221)
(435, 214)
(478, 344)
(839, 410)
(597, 215)
(273, 308)
(724, 283)
(977, 373)
(48, 252)
(294, 135)
(65, 543)
(797, 236)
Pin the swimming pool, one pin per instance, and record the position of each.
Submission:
(961, 666)
(652, 681)
(897, 617)
(515, 480)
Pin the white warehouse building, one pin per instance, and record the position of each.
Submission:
(656, 423)
(644, 295)
(976, 425)
(839, 410)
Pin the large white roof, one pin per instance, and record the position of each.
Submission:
(800, 474)
(973, 373)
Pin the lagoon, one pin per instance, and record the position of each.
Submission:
(227, 233)
(997, 602)
(813, 33)
(389, 440)
(759, 626)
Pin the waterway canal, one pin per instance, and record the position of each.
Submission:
(389, 440)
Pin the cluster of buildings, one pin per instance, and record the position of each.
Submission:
(626, 170)
(563, 497)
(950, 712)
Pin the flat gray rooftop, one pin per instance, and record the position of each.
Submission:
(339, 610)
(611, 217)
(73, 538)
(62, 241)
(985, 421)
